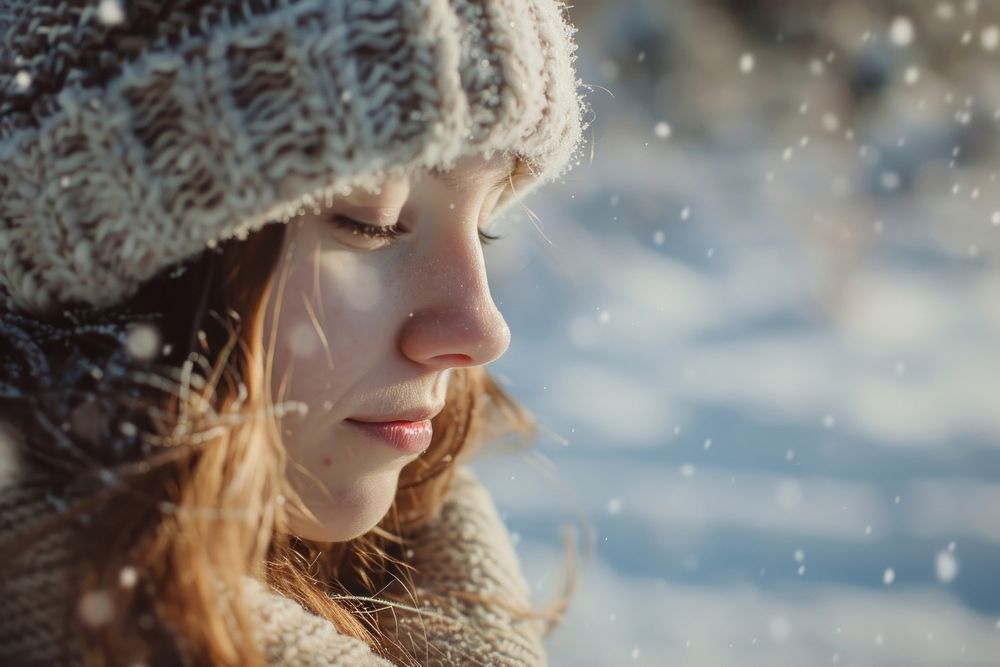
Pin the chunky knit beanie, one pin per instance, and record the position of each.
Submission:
(136, 133)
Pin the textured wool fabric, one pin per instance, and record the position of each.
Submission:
(33, 588)
(134, 135)
(466, 548)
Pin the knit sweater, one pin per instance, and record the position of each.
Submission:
(466, 548)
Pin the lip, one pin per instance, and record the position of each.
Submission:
(415, 415)
(409, 437)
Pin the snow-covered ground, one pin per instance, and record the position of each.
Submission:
(768, 377)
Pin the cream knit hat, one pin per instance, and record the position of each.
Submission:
(136, 133)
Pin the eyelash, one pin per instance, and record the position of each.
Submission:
(388, 233)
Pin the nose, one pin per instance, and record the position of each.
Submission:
(454, 321)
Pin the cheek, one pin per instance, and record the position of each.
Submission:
(353, 291)
(357, 286)
(354, 306)
(337, 316)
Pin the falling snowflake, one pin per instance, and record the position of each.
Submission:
(110, 12)
(888, 576)
(143, 341)
(746, 63)
(889, 180)
(990, 38)
(23, 80)
(610, 69)
(663, 130)
(96, 608)
(127, 577)
(946, 566)
(901, 31)
(303, 339)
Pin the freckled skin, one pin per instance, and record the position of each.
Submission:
(367, 329)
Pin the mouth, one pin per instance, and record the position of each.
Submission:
(418, 414)
(409, 437)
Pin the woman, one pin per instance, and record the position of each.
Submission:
(232, 236)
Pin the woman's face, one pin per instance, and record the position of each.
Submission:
(365, 329)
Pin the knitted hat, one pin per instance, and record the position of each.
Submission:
(136, 133)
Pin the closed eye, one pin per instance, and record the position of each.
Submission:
(487, 239)
(363, 229)
(388, 233)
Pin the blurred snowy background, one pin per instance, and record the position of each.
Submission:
(759, 326)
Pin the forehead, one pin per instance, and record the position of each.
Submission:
(472, 169)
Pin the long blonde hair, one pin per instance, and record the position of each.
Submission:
(205, 501)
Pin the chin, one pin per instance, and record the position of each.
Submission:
(350, 513)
